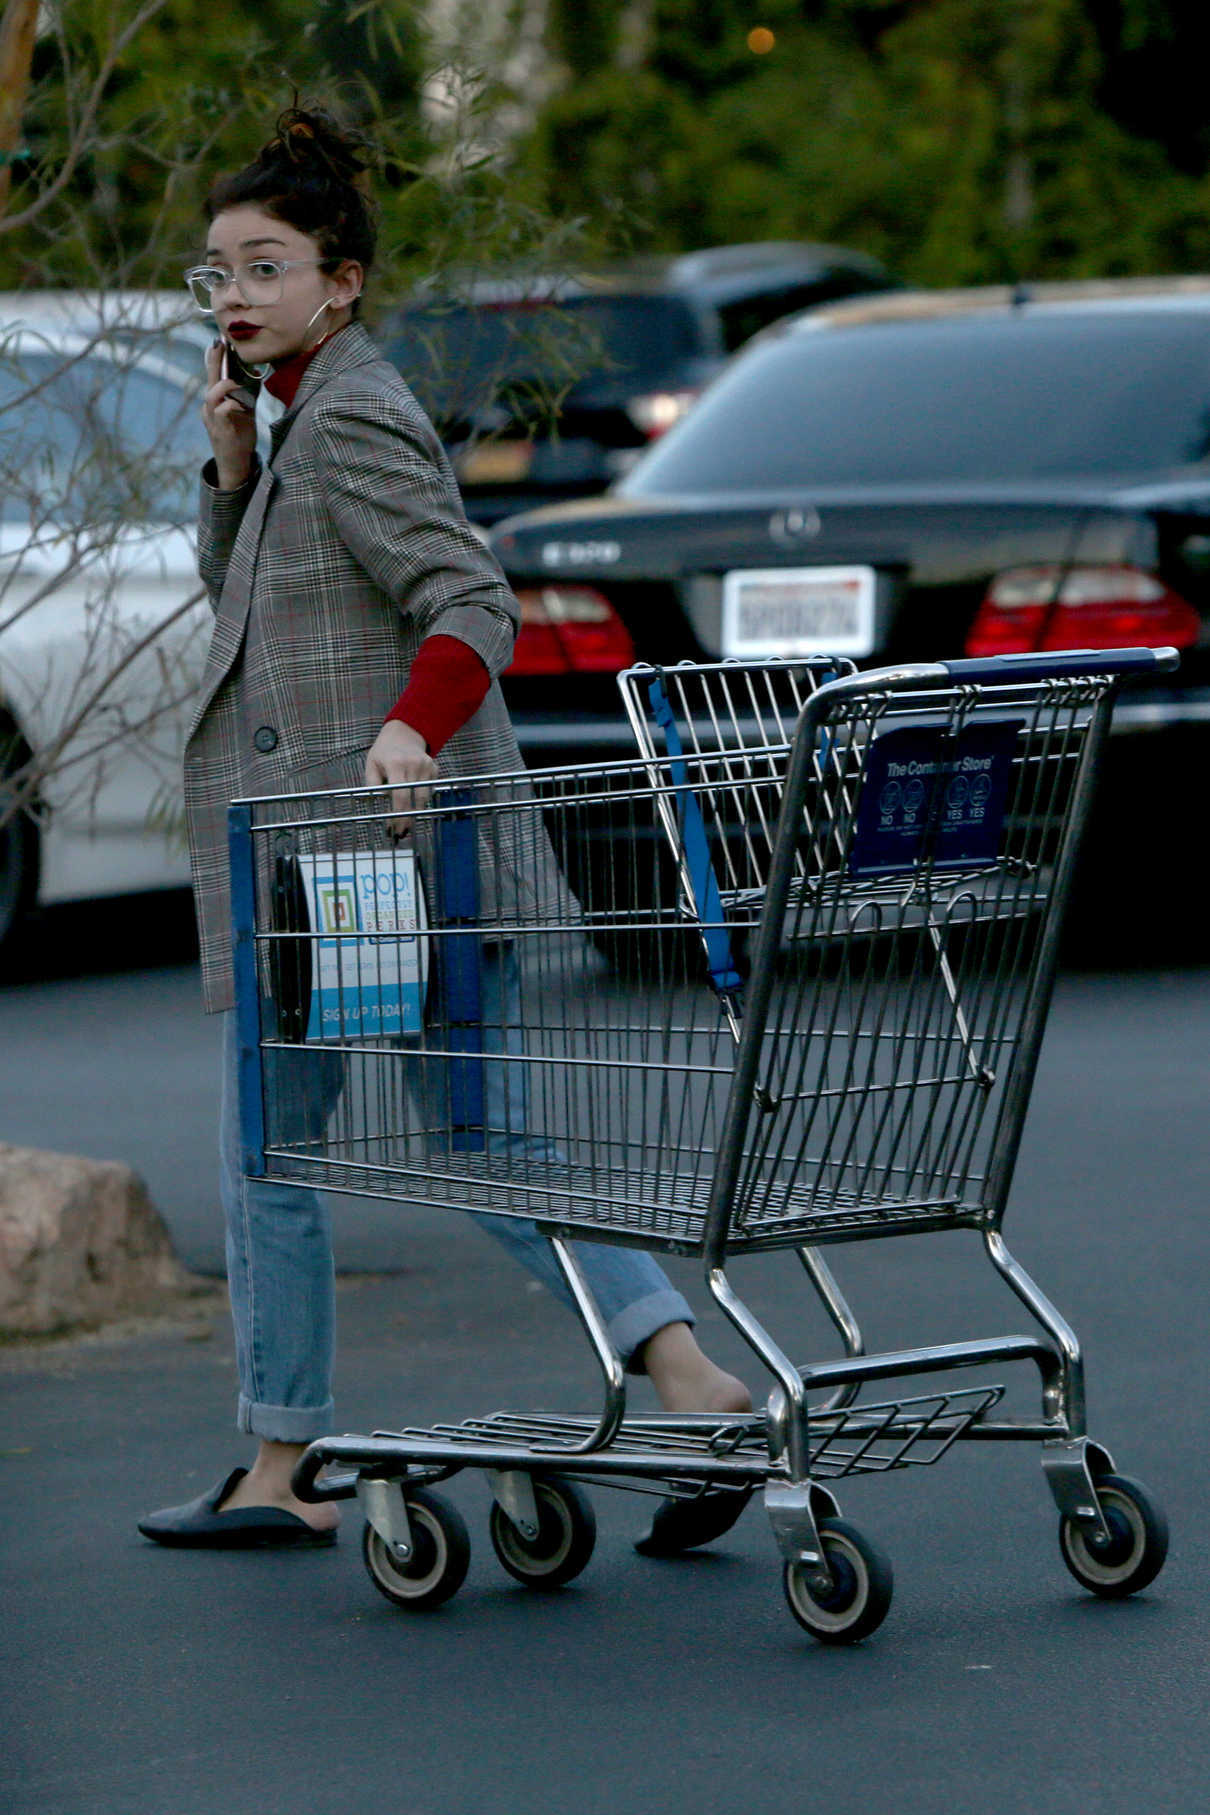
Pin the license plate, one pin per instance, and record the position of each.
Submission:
(496, 463)
(798, 611)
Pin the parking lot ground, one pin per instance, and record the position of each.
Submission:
(146, 1682)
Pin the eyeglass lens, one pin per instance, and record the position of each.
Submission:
(257, 282)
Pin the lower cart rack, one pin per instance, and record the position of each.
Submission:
(681, 1454)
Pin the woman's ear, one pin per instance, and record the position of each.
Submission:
(349, 281)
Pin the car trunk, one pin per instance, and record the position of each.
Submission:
(932, 557)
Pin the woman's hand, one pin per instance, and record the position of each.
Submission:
(231, 425)
(399, 759)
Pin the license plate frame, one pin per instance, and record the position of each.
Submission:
(794, 611)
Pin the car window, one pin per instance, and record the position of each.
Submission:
(1026, 396)
(86, 439)
(458, 357)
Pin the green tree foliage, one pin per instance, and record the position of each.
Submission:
(959, 140)
(962, 141)
(584, 34)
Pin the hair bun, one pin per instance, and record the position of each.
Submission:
(310, 136)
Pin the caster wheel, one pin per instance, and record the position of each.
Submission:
(1137, 1544)
(441, 1554)
(860, 1595)
(567, 1533)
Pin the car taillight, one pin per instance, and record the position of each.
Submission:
(654, 413)
(1053, 607)
(570, 630)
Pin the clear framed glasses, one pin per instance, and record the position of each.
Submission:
(259, 282)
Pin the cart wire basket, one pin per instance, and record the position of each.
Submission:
(779, 984)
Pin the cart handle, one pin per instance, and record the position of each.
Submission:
(996, 670)
(1062, 662)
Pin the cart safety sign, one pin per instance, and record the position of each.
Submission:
(368, 955)
(933, 796)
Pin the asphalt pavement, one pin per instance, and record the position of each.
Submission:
(146, 1682)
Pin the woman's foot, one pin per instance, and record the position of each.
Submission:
(215, 1522)
(268, 1483)
(681, 1525)
(686, 1379)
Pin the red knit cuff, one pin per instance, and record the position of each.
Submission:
(447, 685)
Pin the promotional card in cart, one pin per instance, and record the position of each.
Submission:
(369, 953)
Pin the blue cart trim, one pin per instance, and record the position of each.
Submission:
(461, 971)
(247, 991)
(1059, 665)
(723, 974)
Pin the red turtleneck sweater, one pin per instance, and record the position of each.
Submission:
(448, 681)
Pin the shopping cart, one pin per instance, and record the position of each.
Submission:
(868, 1077)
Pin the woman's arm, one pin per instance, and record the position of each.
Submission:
(229, 479)
(219, 516)
(446, 687)
(395, 506)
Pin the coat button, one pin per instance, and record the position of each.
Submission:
(265, 739)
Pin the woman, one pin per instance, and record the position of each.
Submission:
(360, 629)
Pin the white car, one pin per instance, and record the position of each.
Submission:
(101, 443)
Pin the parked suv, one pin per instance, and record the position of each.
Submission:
(546, 388)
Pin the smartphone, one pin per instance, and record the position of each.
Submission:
(249, 384)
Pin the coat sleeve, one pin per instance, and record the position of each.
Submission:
(218, 519)
(394, 502)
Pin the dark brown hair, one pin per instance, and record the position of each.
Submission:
(313, 175)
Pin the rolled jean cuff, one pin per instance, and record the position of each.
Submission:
(285, 1423)
(635, 1325)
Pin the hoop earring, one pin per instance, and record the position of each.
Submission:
(323, 305)
(258, 370)
(330, 304)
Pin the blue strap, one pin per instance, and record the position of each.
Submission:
(723, 974)
(247, 991)
(461, 974)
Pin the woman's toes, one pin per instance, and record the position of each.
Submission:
(728, 1395)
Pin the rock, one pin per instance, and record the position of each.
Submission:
(80, 1243)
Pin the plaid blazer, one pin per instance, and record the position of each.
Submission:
(326, 570)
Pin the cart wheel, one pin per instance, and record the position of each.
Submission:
(862, 1585)
(1137, 1545)
(567, 1533)
(441, 1554)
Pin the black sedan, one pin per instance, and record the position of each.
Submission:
(904, 477)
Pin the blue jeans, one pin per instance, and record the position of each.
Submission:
(279, 1240)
